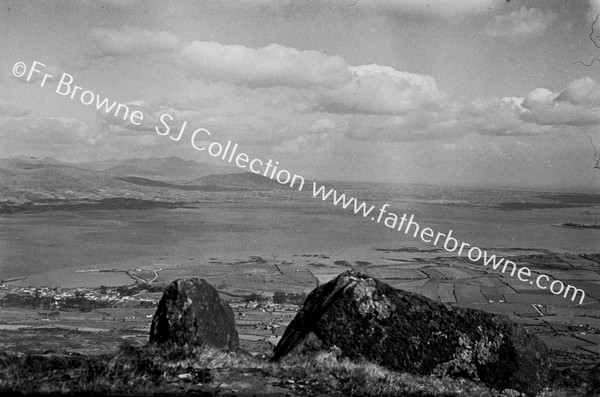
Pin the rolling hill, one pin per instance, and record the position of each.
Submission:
(165, 169)
(27, 181)
(246, 180)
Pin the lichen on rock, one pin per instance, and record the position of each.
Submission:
(369, 301)
(367, 319)
(191, 312)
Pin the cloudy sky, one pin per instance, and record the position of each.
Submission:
(458, 92)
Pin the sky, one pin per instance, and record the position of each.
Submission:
(483, 93)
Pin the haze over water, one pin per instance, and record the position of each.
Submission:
(289, 223)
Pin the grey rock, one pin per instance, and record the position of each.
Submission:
(191, 312)
(368, 319)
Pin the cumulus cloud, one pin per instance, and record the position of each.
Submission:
(269, 117)
(573, 106)
(336, 86)
(266, 66)
(497, 117)
(584, 91)
(131, 40)
(487, 118)
(541, 111)
(253, 117)
(522, 23)
(280, 97)
(382, 90)
(71, 139)
(325, 95)
(539, 96)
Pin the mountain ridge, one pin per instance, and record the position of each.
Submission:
(30, 180)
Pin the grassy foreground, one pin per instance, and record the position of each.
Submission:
(150, 370)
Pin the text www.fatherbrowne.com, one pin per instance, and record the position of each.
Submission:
(475, 254)
(270, 169)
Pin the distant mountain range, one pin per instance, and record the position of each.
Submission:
(246, 180)
(26, 180)
(160, 168)
(169, 168)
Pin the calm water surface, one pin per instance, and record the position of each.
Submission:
(290, 224)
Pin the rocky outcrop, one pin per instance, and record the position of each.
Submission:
(191, 312)
(367, 319)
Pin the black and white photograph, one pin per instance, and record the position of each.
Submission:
(300, 197)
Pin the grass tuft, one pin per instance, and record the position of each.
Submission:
(152, 369)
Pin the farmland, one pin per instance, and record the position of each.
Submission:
(250, 284)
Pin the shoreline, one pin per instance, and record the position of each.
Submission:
(581, 226)
(571, 330)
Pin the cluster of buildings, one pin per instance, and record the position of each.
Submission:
(104, 296)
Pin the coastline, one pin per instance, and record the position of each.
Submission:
(578, 226)
(570, 330)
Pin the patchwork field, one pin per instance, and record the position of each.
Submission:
(570, 329)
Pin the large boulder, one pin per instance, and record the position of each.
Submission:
(368, 319)
(191, 312)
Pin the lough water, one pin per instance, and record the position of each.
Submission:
(287, 223)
